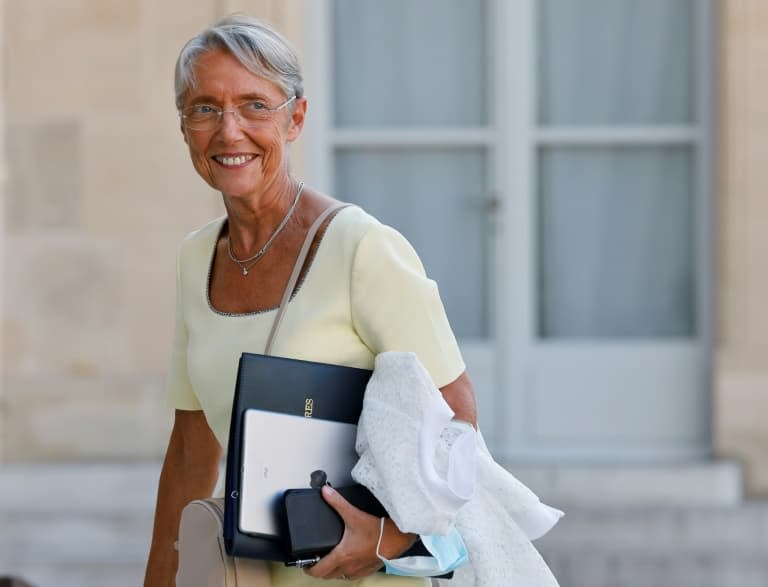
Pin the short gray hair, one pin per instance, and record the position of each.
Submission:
(255, 44)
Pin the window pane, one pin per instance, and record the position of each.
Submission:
(615, 61)
(616, 253)
(400, 62)
(437, 200)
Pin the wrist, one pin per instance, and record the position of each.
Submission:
(394, 542)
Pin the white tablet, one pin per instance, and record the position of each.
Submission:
(281, 451)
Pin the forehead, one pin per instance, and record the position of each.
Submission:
(220, 75)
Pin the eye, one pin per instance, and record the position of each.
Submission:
(198, 111)
(202, 109)
(255, 106)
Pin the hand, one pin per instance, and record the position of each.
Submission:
(355, 556)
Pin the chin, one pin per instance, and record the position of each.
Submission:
(236, 189)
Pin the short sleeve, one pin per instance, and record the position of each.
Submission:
(181, 396)
(396, 307)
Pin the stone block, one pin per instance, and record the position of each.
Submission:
(585, 569)
(72, 57)
(723, 530)
(139, 181)
(265, 9)
(660, 546)
(168, 26)
(741, 402)
(74, 575)
(45, 177)
(15, 346)
(50, 419)
(149, 282)
(116, 489)
(64, 294)
(707, 483)
(741, 573)
(756, 227)
(733, 294)
(90, 540)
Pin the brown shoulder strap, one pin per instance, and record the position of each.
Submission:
(297, 270)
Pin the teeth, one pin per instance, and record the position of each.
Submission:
(239, 160)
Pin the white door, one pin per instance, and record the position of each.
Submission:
(610, 176)
(548, 160)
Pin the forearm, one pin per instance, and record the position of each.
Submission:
(186, 475)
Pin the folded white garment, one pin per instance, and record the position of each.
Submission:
(432, 473)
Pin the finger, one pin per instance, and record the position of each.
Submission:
(328, 571)
(333, 498)
(322, 568)
(328, 566)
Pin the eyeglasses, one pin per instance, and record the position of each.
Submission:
(208, 117)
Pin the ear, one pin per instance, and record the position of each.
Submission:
(297, 119)
(183, 132)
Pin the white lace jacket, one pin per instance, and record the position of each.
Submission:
(431, 472)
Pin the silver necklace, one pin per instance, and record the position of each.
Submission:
(246, 264)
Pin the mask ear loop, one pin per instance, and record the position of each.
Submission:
(378, 544)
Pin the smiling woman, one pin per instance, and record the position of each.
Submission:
(241, 104)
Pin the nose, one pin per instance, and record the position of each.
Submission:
(230, 125)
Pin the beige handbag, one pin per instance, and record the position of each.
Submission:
(203, 559)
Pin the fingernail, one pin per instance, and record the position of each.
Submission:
(328, 490)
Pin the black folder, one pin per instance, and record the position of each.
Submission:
(290, 386)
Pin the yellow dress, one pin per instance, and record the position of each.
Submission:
(366, 292)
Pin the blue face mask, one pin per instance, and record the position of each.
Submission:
(448, 554)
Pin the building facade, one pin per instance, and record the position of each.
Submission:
(585, 181)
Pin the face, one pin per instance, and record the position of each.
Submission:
(240, 161)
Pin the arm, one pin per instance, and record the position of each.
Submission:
(189, 472)
(460, 395)
(355, 556)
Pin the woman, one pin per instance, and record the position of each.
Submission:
(363, 290)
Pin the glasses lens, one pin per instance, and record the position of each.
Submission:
(201, 117)
(254, 113)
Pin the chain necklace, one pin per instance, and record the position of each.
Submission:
(246, 264)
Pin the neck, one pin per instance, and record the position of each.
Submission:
(252, 221)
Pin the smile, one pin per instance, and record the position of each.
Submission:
(233, 160)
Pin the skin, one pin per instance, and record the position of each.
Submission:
(256, 195)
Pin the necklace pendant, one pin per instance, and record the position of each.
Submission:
(245, 271)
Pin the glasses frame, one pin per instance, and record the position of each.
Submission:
(243, 122)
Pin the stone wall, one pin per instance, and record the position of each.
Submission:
(741, 388)
(3, 176)
(100, 191)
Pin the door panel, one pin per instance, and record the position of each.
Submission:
(616, 240)
(603, 407)
(410, 64)
(624, 62)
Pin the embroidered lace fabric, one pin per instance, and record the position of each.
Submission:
(415, 460)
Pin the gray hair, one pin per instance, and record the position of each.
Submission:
(256, 45)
